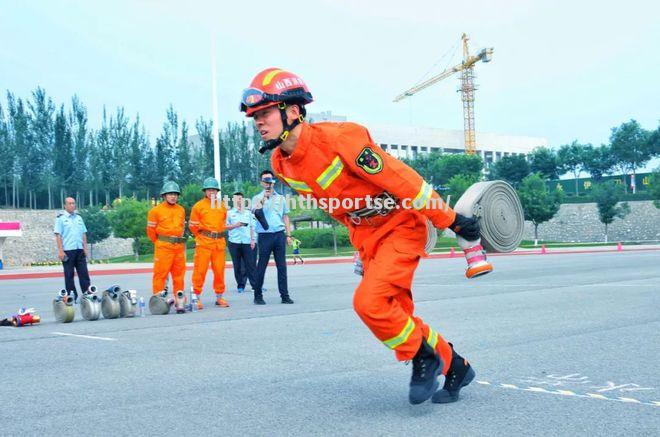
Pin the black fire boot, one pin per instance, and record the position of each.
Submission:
(427, 366)
(459, 375)
(258, 299)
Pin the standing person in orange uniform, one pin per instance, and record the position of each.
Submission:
(165, 226)
(207, 224)
(340, 161)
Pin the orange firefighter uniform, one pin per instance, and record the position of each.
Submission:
(341, 161)
(165, 226)
(207, 224)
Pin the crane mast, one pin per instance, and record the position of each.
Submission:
(467, 89)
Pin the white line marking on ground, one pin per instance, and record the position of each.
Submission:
(92, 337)
(536, 389)
(631, 400)
(569, 393)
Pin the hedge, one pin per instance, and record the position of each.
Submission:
(322, 238)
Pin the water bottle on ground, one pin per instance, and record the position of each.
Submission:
(193, 301)
(141, 311)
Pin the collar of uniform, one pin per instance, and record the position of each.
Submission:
(263, 192)
(69, 215)
(301, 146)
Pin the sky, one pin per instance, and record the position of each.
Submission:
(562, 70)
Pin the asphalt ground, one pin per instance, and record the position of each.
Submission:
(562, 345)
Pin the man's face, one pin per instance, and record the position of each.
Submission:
(268, 122)
(238, 201)
(171, 198)
(69, 205)
(211, 193)
(267, 181)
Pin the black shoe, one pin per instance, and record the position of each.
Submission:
(258, 300)
(427, 366)
(287, 299)
(459, 375)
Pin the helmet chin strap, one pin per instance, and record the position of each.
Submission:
(271, 144)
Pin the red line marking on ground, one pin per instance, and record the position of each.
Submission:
(347, 260)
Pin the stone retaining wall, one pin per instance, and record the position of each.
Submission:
(38, 241)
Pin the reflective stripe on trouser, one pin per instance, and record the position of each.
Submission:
(169, 258)
(383, 300)
(205, 254)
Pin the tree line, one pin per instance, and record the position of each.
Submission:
(49, 152)
(630, 148)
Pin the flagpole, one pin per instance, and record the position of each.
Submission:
(216, 124)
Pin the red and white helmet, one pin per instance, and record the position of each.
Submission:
(271, 87)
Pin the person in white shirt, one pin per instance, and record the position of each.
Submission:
(241, 242)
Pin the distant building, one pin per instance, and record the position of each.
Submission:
(409, 141)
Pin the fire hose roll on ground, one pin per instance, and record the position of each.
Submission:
(498, 208)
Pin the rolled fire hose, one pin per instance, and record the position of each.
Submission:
(63, 307)
(110, 302)
(498, 208)
(127, 303)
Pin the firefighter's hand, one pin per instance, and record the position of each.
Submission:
(466, 227)
(288, 240)
(61, 255)
(252, 244)
(86, 251)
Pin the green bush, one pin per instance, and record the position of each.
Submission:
(322, 238)
(144, 245)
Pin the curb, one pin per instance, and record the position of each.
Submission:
(343, 260)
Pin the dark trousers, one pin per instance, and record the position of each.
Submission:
(75, 259)
(244, 259)
(274, 243)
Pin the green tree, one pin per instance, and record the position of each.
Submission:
(630, 147)
(597, 161)
(426, 164)
(454, 164)
(119, 138)
(190, 194)
(103, 171)
(204, 154)
(654, 142)
(38, 165)
(20, 143)
(63, 159)
(458, 185)
(80, 178)
(512, 169)
(184, 156)
(166, 145)
(129, 220)
(98, 226)
(654, 187)
(543, 161)
(571, 159)
(6, 155)
(539, 204)
(607, 196)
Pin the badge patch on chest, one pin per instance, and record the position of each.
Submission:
(369, 161)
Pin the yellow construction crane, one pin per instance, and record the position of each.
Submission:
(467, 89)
